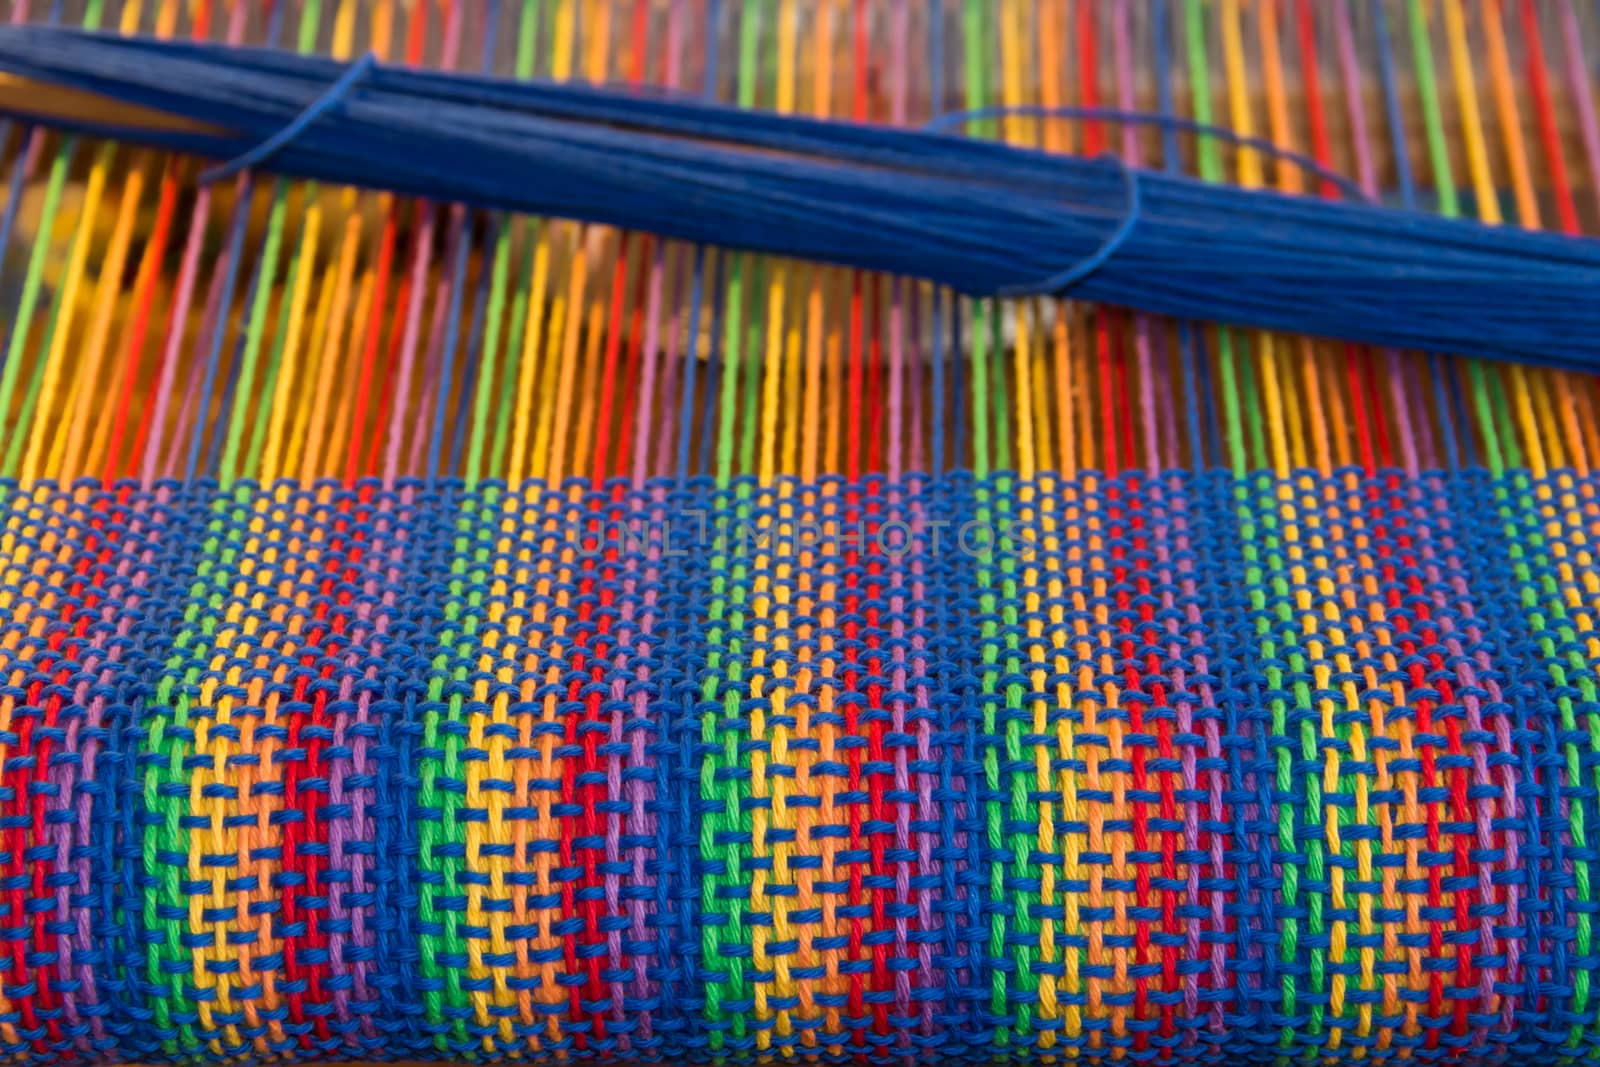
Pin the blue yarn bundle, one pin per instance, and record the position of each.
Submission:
(983, 218)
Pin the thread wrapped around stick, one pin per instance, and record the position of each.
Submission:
(982, 218)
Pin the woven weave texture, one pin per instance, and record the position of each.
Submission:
(1183, 767)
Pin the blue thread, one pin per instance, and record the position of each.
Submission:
(234, 253)
(980, 217)
(1066, 279)
(461, 238)
(1173, 123)
(691, 359)
(476, 335)
(1059, 283)
(319, 107)
(715, 368)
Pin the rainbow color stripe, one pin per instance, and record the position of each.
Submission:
(409, 647)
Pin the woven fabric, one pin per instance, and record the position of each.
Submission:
(1181, 767)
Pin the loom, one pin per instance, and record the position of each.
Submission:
(436, 632)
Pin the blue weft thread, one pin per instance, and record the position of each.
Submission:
(980, 217)
(330, 99)
(1059, 283)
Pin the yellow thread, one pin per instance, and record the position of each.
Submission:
(306, 259)
(68, 298)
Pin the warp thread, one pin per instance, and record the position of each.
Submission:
(982, 218)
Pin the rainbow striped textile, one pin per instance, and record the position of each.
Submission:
(434, 634)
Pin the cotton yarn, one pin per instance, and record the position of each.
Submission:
(982, 218)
